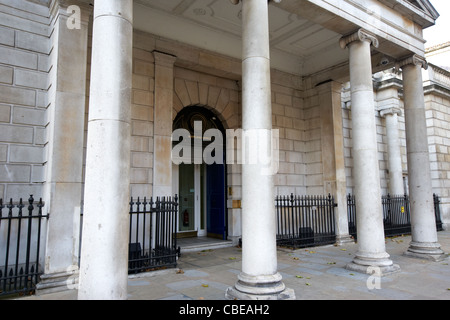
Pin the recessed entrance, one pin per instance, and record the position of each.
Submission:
(200, 186)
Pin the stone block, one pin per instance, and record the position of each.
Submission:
(16, 134)
(143, 97)
(183, 94)
(7, 36)
(32, 79)
(3, 152)
(32, 42)
(37, 174)
(22, 21)
(20, 96)
(143, 68)
(141, 160)
(6, 75)
(40, 137)
(293, 134)
(26, 154)
(30, 116)
(140, 144)
(314, 180)
(294, 180)
(44, 63)
(41, 99)
(283, 99)
(15, 173)
(140, 112)
(141, 190)
(5, 113)
(139, 175)
(18, 58)
(295, 157)
(142, 128)
(141, 82)
(16, 191)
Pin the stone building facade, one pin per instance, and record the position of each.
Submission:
(127, 78)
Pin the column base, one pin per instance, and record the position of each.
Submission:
(259, 288)
(368, 265)
(426, 250)
(343, 239)
(57, 282)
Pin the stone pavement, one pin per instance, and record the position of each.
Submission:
(314, 273)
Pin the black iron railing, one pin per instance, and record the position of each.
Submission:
(20, 246)
(396, 214)
(305, 221)
(153, 234)
(437, 211)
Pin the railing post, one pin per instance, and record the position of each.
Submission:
(30, 216)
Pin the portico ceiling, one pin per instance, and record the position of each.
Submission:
(297, 44)
(304, 34)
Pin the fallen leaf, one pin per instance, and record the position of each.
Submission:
(296, 258)
(307, 284)
(179, 271)
(300, 277)
(232, 258)
(312, 252)
(205, 285)
(343, 249)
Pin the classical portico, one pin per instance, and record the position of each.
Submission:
(279, 65)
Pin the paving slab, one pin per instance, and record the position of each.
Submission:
(317, 273)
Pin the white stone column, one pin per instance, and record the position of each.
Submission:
(371, 245)
(424, 243)
(259, 278)
(394, 154)
(104, 252)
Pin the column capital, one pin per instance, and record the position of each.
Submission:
(390, 111)
(360, 35)
(415, 60)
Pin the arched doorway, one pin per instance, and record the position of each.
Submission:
(200, 184)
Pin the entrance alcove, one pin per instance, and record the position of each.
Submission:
(200, 184)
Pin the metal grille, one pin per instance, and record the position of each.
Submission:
(153, 234)
(20, 244)
(396, 214)
(305, 221)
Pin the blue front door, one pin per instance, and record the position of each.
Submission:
(215, 201)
